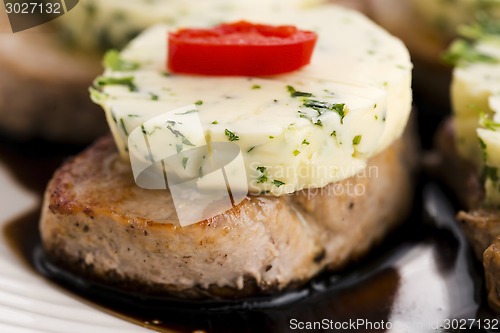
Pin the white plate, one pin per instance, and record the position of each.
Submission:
(28, 302)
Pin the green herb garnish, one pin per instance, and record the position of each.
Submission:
(114, 61)
(96, 95)
(128, 81)
(488, 123)
(295, 93)
(231, 136)
(278, 183)
(263, 176)
(462, 52)
(123, 127)
(322, 106)
(356, 140)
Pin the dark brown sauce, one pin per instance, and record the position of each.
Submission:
(33, 163)
(365, 290)
(22, 235)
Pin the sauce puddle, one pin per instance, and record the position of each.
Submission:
(370, 289)
(365, 292)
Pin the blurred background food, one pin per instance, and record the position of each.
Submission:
(43, 88)
(69, 50)
(45, 72)
(455, 48)
(428, 27)
(469, 143)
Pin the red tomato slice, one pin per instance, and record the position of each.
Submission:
(240, 48)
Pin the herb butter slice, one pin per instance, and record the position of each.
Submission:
(299, 130)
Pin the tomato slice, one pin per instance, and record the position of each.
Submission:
(240, 48)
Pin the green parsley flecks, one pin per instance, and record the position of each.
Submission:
(230, 135)
(122, 124)
(96, 95)
(462, 52)
(321, 107)
(114, 61)
(127, 81)
(488, 123)
(295, 93)
(263, 175)
(278, 183)
(313, 119)
(184, 140)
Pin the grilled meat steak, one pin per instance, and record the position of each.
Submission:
(98, 223)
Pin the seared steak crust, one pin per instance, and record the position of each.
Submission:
(491, 261)
(98, 223)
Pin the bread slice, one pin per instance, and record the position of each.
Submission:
(97, 223)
